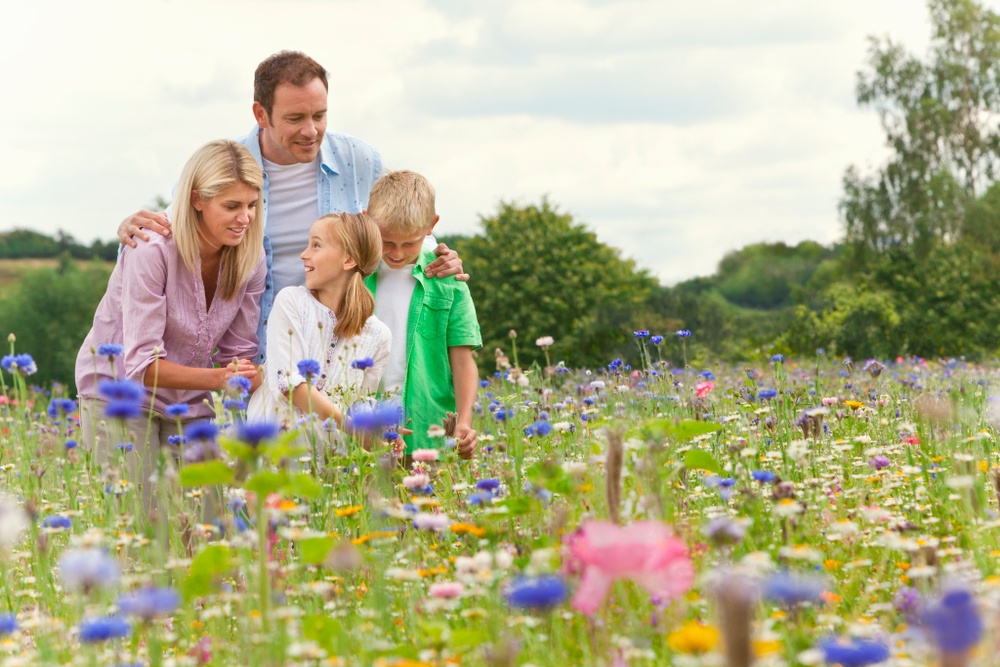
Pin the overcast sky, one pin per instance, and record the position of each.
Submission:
(676, 130)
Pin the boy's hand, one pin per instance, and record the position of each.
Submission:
(155, 221)
(447, 264)
(466, 441)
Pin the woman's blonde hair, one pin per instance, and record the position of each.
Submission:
(358, 235)
(211, 170)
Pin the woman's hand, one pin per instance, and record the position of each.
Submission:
(241, 368)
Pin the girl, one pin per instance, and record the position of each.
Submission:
(331, 321)
(174, 300)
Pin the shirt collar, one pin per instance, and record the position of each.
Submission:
(327, 158)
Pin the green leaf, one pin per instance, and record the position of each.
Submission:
(266, 482)
(206, 474)
(661, 429)
(314, 550)
(518, 506)
(303, 486)
(213, 560)
(325, 631)
(465, 639)
(698, 459)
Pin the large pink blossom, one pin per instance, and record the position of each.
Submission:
(645, 552)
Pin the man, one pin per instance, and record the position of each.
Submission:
(308, 172)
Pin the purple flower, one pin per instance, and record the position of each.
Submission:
(778, 359)
(853, 653)
(103, 628)
(362, 364)
(879, 462)
(953, 622)
(874, 367)
(536, 593)
(57, 521)
(488, 484)
(256, 432)
(87, 569)
(791, 589)
(308, 368)
(110, 349)
(723, 531)
(147, 603)
(177, 410)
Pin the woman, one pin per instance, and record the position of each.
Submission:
(329, 321)
(176, 305)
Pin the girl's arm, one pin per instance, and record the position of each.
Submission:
(308, 398)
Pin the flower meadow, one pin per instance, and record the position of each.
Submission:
(782, 512)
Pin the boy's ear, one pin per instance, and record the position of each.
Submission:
(434, 224)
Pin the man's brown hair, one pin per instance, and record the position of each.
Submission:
(292, 67)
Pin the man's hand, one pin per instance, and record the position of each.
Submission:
(154, 221)
(466, 441)
(447, 264)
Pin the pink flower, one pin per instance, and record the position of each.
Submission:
(645, 552)
(446, 589)
(425, 455)
(703, 389)
(416, 481)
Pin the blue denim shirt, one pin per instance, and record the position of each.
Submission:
(348, 169)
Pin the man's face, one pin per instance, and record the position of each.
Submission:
(293, 131)
(401, 250)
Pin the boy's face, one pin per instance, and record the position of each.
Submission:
(401, 250)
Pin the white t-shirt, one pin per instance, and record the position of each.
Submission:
(291, 210)
(392, 306)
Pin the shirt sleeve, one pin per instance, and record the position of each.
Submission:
(282, 347)
(380, 358)
(463, 325)
(240, 339)
(144, 307)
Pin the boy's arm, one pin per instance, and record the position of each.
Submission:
(465, 376)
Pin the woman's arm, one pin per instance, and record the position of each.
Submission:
(168, 375)
(240, 338)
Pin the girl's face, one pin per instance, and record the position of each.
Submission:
(325, 262)
(225, 218)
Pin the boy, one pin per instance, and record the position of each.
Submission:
(433, 322)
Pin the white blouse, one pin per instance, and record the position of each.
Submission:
(299, 328)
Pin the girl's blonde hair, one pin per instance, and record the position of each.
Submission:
(213, 168)
(359, 236)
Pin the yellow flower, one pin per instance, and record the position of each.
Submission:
(373, 536)
(762, 647)
(983, 466)
(832, 564)
(693, 637)
(348, 511)
(468, 528)
(854, 405)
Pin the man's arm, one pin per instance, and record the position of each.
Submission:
(154, 221)
(465, 376)
(447, 264)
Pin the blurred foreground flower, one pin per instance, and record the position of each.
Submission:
(536, 593)
(693, 637)
(147, 603)
(954, 626)
(853, 653)
(645, 552)
(103, 628)
(87, 569)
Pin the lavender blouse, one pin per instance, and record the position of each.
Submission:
(155, 307)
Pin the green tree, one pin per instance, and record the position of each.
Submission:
(538, 272)
(939, 119)
(50, 312)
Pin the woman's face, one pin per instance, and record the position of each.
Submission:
(226, 217)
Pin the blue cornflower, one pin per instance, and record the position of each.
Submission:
(853, 653)
(64, 406)
(122, 410)
(8, 623)
(88, 568)
(724, 531)
(70, 444)
(57, 521)
(203, 430)
(103, 628)
(121, 390)
(953, 622)
(177, 409)
(149, 602)
(362, 364)
(683, 333)
(763, 476)
(391, 436)
(309, 368)
(177, 440)
(767, 394)
(874, 367)
(536, 593)
(254, 433)
(656, 340)
(481, 498)
(484, 383)
(778, 359)
(615, 364)
(641, 333)
(126, 446)
(234, 404)
(488, 484)
(239, 384)
(110, 349)
(19, 363)
(791, 589)
(503, 414)
(708, 375)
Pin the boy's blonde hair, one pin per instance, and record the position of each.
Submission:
(402, 202)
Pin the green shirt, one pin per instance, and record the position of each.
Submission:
(441, 315)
